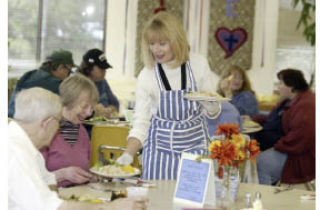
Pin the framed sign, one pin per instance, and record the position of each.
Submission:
(193, 181)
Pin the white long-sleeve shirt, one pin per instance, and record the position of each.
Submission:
(147, 94)
(27, 175)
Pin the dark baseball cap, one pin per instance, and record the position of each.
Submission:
(96, 57)
(61, 57)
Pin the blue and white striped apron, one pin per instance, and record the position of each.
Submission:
(178, 126)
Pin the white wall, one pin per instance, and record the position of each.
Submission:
(262, 71)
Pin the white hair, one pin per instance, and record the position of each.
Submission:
(36, 104)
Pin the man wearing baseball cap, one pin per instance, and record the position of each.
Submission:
(94, 65)
(52, 71)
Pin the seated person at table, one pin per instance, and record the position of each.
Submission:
(229, 114)
(53, 70)
(29, 182)
(292, 158)
(69, 152)
(235, 84)
(272, 125)
(94, 65)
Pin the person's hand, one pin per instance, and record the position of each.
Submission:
(125, 159)
(225, 86)
(76, 175)
(134, 203)
(212, 108)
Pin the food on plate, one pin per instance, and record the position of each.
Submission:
(250, 124)
(113, 170)
(84, 197)
(128, 169)
(203, 94)
(99, 118)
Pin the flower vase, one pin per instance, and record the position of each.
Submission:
(227, 186)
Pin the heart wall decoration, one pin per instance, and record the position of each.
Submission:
(230, 40)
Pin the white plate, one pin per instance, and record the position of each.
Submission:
(250, 124)
(202, 97)
(122, 176)
(108, 122)
(251, 130)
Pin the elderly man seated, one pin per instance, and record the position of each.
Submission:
(36, 121)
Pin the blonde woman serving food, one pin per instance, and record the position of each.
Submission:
(165, 123)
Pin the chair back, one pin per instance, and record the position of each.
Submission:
(109, 141)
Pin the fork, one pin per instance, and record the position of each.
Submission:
(278, 190)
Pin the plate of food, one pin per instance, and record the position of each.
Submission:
(100, 120)
(205, 96)
(250, 124)
(94, 120)
(251, 130)
(115, 171)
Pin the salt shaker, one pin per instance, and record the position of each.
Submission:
(247, 201)
(257, 203)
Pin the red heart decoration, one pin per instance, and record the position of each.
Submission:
(230, 40)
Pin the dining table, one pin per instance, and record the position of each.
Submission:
(161, 193)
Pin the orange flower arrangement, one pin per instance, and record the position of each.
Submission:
(232, 148)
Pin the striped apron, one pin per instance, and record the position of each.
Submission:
(178, 126)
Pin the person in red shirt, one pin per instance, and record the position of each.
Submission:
(292, 157)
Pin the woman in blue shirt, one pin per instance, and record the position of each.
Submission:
(94, 65)
(236, 85)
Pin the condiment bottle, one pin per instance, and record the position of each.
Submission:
(247, 201)
(257, 203)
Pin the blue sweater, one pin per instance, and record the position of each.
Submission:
(106, 97)
(246, 103)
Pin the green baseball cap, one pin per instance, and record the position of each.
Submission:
(61, 57)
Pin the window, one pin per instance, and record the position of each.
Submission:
(293, 51)
(36, 28)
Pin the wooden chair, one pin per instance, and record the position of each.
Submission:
(109, 142)
(111, 152)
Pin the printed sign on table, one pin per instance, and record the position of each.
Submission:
(195, 184)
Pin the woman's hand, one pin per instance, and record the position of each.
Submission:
(225, 86)
(133, 145)
(125, 159)
(212, 108)
(73, 174)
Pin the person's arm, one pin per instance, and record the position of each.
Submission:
(246, 103)
(142, 115)
(73, 174)
(112, 99)
(133, 146)
(302, 131)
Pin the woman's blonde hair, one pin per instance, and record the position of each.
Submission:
(165, 27)
(246, 85)
(72, 87)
